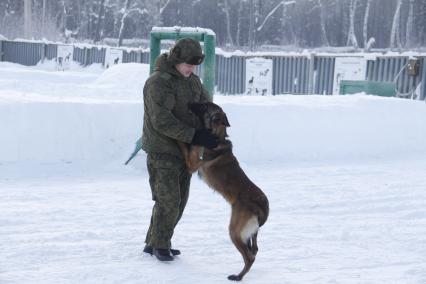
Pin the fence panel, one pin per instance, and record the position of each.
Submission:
(79, 55)
(291, 74)
(132, 56)
(51, 51)
(230, 74)
(96, 55)
(323, 75)
(89, 55)
(135, 56)
(393, 69)
(25, 53)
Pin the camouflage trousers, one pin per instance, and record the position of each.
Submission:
(169, 180)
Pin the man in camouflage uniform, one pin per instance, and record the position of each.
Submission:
(167, 119)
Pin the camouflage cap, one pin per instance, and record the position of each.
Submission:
(186, 50)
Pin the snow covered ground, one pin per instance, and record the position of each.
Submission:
(345, 176)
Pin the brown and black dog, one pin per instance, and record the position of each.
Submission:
(221, 171)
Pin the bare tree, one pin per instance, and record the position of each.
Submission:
(308, 23)
(123, 21)
(28, 15)
(239, 20)
(64, 18)
(99, 23)
(395, 40)
(43, 17)
(284, 5)
(365, 26)
(127, 10)
(157, 9)
(322, 9)
(226, 10)
(409, 30)
(9, 19)
(252, 24)
(352, 41)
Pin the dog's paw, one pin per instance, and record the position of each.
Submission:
(234, 277)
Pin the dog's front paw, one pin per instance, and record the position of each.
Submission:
(234, 277)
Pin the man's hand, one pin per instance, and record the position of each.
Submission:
(204, 137)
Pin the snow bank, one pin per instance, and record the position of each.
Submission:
(309, 128)
(51, 65)
(77, 116)
(290, 128)
(127, 75)
(55, 131)
(91, 84)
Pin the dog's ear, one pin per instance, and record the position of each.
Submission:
(198, 108)
(225, 120)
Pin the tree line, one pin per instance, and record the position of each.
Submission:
(244, 24)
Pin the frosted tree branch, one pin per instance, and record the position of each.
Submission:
(284, 3)
(164, 6)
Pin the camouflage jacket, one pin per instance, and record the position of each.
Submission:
(167, 118)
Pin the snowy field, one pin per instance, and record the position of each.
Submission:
(345, 177)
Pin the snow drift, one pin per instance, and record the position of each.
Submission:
(98, 117)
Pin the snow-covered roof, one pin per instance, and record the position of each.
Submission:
(183, 30)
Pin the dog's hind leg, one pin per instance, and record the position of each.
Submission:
(241, 230)
(254, 247)
(249, 244)
(247, 256)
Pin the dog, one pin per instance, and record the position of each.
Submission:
(220, 169)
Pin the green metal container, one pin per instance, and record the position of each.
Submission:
(384, 89)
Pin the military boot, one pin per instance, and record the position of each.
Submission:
(148, 249)
(162, 254)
